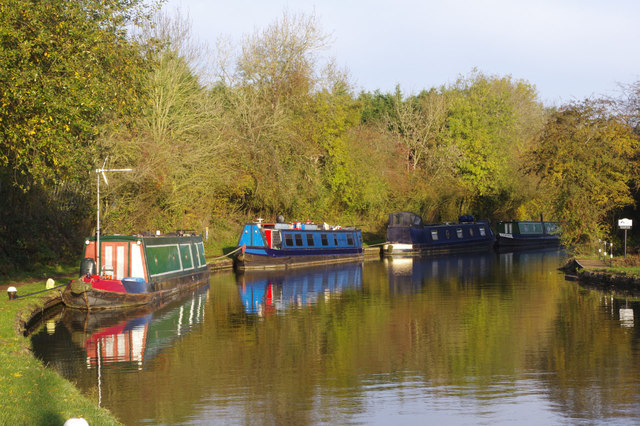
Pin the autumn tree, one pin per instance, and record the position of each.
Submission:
(282, 58)
(492, 120)
(583, 161)
(269, 94)
(65, 68)
(68, 70)
(335, 114)
(175, 146)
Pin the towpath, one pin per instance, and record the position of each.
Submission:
(591, 263)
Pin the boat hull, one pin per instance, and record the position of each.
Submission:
(399, 249)
(292, 259)
(81, 295)
(512, 242)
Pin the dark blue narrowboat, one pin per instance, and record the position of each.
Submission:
(524, 234)
(282, 245)
(408, 235)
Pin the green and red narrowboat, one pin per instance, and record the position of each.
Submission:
(137, 270)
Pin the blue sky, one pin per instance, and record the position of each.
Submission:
(568, 49)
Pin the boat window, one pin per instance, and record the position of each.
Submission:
(324, 239)
(471, 232)
(298, 240)
(350, 239)
(310, 240)
(482, 231)
(459, 232)
(335, 239)
(434, 235)
(288, 240)
(447, 234)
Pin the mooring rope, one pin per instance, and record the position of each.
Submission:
(379, 244)
(228, 254)
(42, 291)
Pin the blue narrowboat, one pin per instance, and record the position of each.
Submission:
(408, 235)
(279, 244)
(523, 234)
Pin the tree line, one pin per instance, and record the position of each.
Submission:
(272, 126)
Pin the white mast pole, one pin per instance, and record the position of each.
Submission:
(98, 172)
(98, 225)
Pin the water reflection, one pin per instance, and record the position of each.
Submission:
(626, 317)
(525, 260)
(411, 274)
(491, 338)
(274, 292)
(129, 337)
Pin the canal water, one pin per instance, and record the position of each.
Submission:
(473, 339)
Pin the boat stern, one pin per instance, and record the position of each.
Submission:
(397, 248)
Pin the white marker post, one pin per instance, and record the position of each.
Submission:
(625, 224)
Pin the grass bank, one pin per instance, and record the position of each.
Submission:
(627, 266)
(30, 393)
(629, 271)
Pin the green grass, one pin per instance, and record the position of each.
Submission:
(623, 270)
(30, 393)
(41, 273)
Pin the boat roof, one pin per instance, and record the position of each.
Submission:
(139, 237)
(526, 221)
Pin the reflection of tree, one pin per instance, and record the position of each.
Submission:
(592, 358)
(486, 336)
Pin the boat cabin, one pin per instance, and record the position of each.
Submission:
(525, 227)
(298, 236)
(150, 258)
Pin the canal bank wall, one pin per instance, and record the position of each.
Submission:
(593, 273)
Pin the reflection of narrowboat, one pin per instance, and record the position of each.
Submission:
(411, 274)
(137, 270)
(126, 336)
(408, 235)
(268, 292)
(515, 234)
(280, 244)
